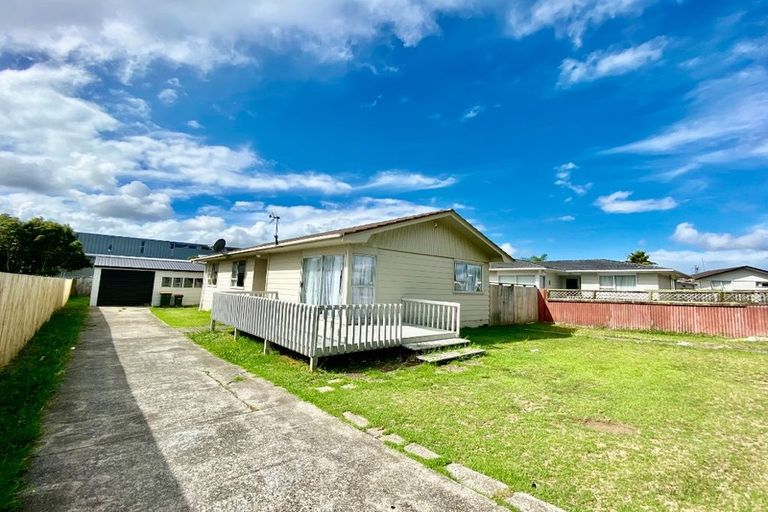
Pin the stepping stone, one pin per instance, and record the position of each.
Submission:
(476, 481)
(348, 386)
(420, 346)
(524, 502)
(335, 381)
(356, 420)
(444, 357)
(375, 432)
(324, 389)
(394, 439)
(420, 451)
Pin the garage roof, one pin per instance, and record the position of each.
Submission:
(147, 263)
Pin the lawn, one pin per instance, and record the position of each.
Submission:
(182, 318)
(26, 385)
(587, 419)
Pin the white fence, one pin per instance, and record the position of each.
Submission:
(324, 330)
(661, 296)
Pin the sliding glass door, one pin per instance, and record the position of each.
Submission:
(321, 279)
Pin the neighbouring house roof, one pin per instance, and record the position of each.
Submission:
(147, 263)
(338, 235)
(717, 271)
(115, 245)
(591, 265)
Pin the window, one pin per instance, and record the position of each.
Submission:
(213, 273)
(321, 279)
(177, 282)
(188, 282)
(720, 285)
(167, 281)
(618, 282)
(198, 282)
(363, 277)
(237, 279)
(467, 277)
(518, 279)
(761, 284)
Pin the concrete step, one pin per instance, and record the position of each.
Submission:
(451, 355)
(421, 346)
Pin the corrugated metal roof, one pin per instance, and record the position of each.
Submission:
(114, 245)
(147, 263)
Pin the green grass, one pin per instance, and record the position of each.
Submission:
(26, 385)
(587, 419)
(180, 318)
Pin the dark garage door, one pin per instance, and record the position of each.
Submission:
(125, 287)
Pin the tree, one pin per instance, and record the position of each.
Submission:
(537, 259)
(38, 246)
(640, 257)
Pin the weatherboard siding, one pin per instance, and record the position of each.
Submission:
(434, 238)
(741, 279)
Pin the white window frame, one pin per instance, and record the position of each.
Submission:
(352, 284)
(613, 280)
(720, 284)
(457, 263)
(234, 276)
(167, 279)
(213, 274)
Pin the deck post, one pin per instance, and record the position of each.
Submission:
(267, 344)
(235, 333)
(213, 324)
(312, 363)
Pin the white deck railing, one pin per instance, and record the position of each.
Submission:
(445, 316)
(662, 296)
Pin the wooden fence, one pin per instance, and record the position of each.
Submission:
(713, 318)
(513, 304)
(26, 303)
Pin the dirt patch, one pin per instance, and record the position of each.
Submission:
(609, 427)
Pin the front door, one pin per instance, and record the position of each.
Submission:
(571, 283)
(321, 279)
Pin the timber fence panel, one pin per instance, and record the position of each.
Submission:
(513, 304)
(26, 303)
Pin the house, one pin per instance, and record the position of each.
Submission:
(733, 278)
(436, 256)
(131, 281)
(113, 245)
(593, 274)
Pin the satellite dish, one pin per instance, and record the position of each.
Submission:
(219, 245)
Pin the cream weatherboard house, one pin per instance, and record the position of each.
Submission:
(744, 278)
(412, 282)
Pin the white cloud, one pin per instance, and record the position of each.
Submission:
(756, 239)
(600, 64)
(168, 96)
(248, 206)
(396, 179)
(194, 124)
(507, 248)
(566, 218)
(619, 202)
(563, 179)
(569, 18)
(693, 261)
(472, 112)
(726, 123)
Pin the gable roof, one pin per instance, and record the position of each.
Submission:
(338, 235)
(717, 271)
(130, 262)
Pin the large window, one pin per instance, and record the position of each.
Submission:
(363, 277)
(618, 283)
(213, 273)
(189, 282)
(237, 279)
(720, 285)
(167, 282)
(321, 279)
(467, 277)
(518, 279)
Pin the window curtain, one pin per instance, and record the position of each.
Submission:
(312, 270)
(321, 280)
(626, 282)
(363, 269)
(331, 279)
(467, 277)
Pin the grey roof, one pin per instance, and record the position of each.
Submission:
(717, 271)
(515, 265)
(97, 243)
(147, 263)
(598, 264)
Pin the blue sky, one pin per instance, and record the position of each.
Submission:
(576, 128)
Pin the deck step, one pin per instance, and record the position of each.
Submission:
(451, 355)
(421, 346)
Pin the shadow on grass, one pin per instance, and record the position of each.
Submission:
(494, 337)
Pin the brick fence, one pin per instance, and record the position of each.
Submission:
(733, 320)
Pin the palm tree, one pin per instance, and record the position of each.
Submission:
(640, 257)
(534, 259)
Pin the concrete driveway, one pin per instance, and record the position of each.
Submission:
(147, 420)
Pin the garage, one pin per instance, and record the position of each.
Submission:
(125, 287)
(132, 281)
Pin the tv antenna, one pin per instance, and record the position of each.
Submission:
(274, 218)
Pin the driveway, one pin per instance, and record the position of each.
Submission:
(147, 420)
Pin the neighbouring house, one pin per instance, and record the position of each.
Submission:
(594, 274)
(131, 281)
(437, 256)
(732, 278)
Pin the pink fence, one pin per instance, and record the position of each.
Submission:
(737, 321)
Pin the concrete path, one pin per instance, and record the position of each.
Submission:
(147, 420)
